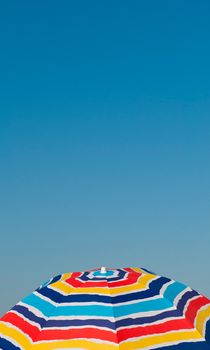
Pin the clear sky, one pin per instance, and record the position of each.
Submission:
(104, 140)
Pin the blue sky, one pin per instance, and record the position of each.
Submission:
(104, 140)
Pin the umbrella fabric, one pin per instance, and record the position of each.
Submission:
(126, 309)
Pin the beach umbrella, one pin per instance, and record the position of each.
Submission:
(109, 309)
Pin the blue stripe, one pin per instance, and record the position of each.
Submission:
(148, 271)
(120, 276)
(50, 281)
(173, 290)
(150, 305)
(29, 314)
(7, 345)
(46, 308)
(200, 345)
(77, 323)
(98, 310)
(208, 332)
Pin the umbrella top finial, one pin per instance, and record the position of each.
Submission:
(103, 269)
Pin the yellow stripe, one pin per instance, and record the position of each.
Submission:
(15, 334)
(139, 270)
(74, 344)
(161, 339)
(65, 276)
(141, 284)
(201, 318)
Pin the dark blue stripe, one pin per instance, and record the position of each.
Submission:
(56, 278)
(187, 346)
(75, 323)
(154, 289)
(120, 276)
(149, 319)
(182, 302)
(50, 281)
(145, 270)
(7, 345)
(208, 332)
(29, 315)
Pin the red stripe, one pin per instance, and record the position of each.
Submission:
(27, 328)
(130, 279)
(78, 333)
(194, 307)
(153, 329)
(74, 281)
(78, 284)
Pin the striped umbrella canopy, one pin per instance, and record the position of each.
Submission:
(126, 309)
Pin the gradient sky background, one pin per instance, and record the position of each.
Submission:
(104, 140)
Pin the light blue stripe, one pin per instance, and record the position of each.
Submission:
(95, 310)
(150, 305)
(45, 307)
(92, 309)
(173, 290)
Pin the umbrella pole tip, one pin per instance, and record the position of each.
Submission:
(103, 269)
